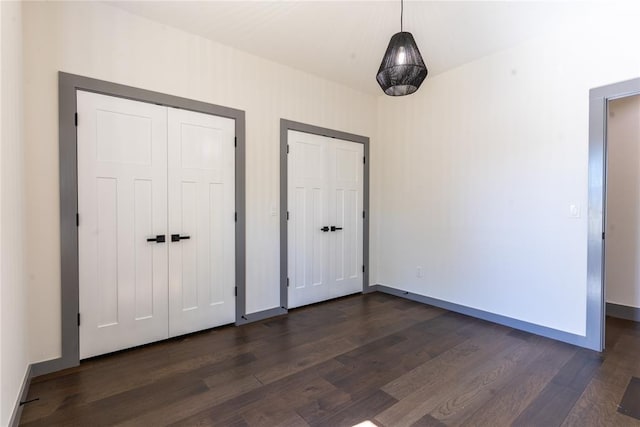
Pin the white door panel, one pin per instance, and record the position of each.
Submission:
(202, 207)
(146, 170)
(346, 212)
(122, 201)
(308, 248)
(325, 188)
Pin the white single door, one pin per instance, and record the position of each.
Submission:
(122, 204)
(308, 244)
(325, 198)
(201, 221)
(346, 207)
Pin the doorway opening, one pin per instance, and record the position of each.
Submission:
(600, 100)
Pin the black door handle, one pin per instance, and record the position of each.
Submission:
(158, 239)
(177, 237)
(334, 228)
(324, 229)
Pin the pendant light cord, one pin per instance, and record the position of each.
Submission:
(401, 13)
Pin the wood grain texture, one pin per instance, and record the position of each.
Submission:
(367, 358)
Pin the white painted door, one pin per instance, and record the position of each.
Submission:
(308, 245)
(202, 217)
(325, 197)
(345, 211)
(147, 171)
(122, 202)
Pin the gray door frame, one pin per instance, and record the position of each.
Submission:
(285, 127)
(596, 292)
(68, 85)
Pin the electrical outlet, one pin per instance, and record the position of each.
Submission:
(418, 272)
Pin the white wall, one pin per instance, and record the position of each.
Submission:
(478, 169)
(99, 41)
(622, 264)
(13, 319)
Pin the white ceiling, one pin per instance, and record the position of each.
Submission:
(344, 41)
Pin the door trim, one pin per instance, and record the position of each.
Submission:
(285, 127)
(68, 85)
(596, 296)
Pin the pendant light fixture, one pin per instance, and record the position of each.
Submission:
(402, 70)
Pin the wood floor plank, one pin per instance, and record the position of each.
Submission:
(302, 357)
(507, 403)
(444, 368)
(364, 409)
(597, 406)
(297, 358)
(293, 386)
(99, 383)
(428, 421)
(191, 405)
(324, 406)
(470, 395)
(376, 358)
(553, 404)
(441, 395)
(144, 398)
(372, 366)
(600, 401)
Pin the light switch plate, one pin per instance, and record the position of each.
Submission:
(574, 211)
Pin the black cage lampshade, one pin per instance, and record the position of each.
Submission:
(402, 70)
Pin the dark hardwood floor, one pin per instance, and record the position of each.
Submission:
(373, 358)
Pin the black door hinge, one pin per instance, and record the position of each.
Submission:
(235, 217)
(364, 160)
(287, 148)
(77, 220)
(287, 215)
(363, 214)
(235, 141)
(287, 282)
(363, 268)
(236, 291)
(75, 119)
(78, 319)
(603, 235)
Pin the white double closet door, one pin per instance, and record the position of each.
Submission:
(156, 234)
(325, 227)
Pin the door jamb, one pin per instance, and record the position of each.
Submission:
(596, 293)
(68, 85)
(285, 127)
